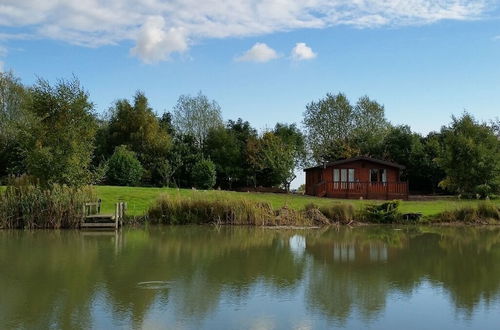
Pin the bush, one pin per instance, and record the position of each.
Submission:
(382, 213)
(204, 174)
(27, 205)
(124, 169)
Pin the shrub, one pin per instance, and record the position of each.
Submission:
(382, 213)
(203, 174)
(124, 169)
(27, 205)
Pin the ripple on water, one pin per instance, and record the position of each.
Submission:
(154, 285)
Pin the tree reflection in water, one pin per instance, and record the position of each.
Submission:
(74, 280)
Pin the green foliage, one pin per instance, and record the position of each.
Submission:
(182, 158)
(25, 204)
(274, 159)
(124, 169)
(196, 116)
(204, 174)
(470, 157)
(335, 129)
(61, 141)
(382, 213)
(224, 149)
(136, 126)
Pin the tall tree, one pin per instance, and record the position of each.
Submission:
(403, 146)
(14, 121)
(223, 149)
(136, 126)
(370, 127)
(275, 160)
(227, 148)
(470, 157)
(62, 138)
(329, 123)
(335, 129)
(196, 115)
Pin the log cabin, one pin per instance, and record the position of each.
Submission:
(359, 178)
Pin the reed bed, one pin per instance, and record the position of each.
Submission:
(482, 213)
(27, 205)
(175, 210)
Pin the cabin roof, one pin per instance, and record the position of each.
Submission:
(349, 160)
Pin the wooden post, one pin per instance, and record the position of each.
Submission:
(117, 214)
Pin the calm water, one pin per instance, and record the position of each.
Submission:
(251, 278)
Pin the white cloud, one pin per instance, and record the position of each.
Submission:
(155, 42)
(302, 52)
(259, 52)
(160, 27)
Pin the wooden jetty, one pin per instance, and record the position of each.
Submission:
(92, 217)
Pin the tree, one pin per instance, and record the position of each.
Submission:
(62, 137)
(329, 123)
(371, 127)
(124, 169)
(227, 148)
(196, 115)
(275, 160)
(15, 121)
(223, 148)
(470, 157)
(182, 158)
(204, 174)
(136, 126)
(404, 147)
(335, 129)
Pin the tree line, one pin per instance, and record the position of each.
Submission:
(53, 133)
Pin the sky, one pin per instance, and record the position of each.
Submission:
(264, 60)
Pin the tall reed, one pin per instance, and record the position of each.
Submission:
(178, 210)
(25, 204)
(483, 213)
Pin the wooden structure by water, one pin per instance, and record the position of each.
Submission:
(93, 218)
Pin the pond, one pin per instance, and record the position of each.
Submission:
(251, 278)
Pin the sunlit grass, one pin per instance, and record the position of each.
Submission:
(139, 199)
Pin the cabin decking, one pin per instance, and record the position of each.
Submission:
(358, 190)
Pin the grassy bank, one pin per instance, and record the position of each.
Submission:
(60, 207)
(140, 199)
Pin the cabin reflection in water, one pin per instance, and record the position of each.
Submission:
(348, 252)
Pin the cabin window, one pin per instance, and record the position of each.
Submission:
(343, 175)
(336, 175)
(351, 175)
(378, 175)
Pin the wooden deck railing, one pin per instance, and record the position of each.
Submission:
(361, 189)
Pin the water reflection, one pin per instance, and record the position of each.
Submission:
(199, 277)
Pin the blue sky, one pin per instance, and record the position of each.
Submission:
(424, 60)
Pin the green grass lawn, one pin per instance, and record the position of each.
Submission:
(139, 199)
